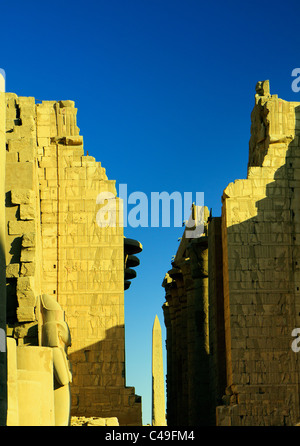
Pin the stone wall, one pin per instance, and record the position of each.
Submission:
(260, 224)
(254, 286)
(56, 247)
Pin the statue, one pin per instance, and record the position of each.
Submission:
(56, 334)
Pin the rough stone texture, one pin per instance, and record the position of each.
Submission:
(254, 288)
(260, 226)
(158, 386)
(186, 319)
(94, 421)
(22, 210)
(54, 246)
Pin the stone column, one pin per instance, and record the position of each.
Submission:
(170, 288)
(195, 273)
(167, 319)
(158, 391)
(3, 373)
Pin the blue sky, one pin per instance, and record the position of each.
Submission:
(164, 90)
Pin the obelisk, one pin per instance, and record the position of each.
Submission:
(3, 372)
(158, 387)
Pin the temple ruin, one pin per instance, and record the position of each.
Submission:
(232, 295)
(65, 274)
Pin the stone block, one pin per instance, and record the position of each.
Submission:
(112, 421)
(43, 131)
(12, 157)
(76, 140)
(22, 196)
(20, 227)
(67, 103)
(27, 101)
(49, 242)
(51, 173)
(50, 254)
(28, 255)
(28, 240)
(12, 270)
(27, 154)
(49, 218)
(43, 142)
(49, 229)
(16, 145)
(43, 119)
(25, 314)
(46, 206)
(21, 176)
(27, 269)
(47, 161)
(25, 290)
(28, 211)
(27, 114)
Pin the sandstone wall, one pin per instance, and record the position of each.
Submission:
(253, 289)
(260, 223)
(56, 247)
